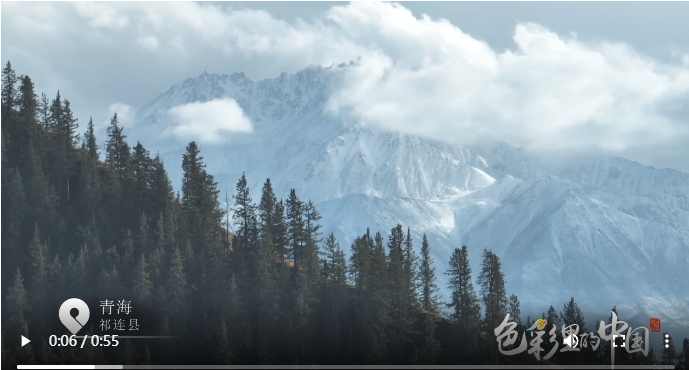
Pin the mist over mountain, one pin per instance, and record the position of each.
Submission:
(605, 230)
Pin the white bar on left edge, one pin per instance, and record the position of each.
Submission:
(39, 367)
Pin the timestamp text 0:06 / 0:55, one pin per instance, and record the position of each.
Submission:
(72, 341)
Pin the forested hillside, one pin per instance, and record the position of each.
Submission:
(100, 222)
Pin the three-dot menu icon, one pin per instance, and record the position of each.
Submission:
(667, 340)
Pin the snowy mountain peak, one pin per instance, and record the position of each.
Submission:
(608, 231)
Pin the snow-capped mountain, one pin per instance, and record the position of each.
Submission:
(607, 231)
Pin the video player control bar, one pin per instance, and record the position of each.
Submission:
(337, 367)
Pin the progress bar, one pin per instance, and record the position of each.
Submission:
(337, 367)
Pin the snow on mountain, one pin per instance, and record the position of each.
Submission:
(607, 231)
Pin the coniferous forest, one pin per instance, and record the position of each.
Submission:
(96, 219)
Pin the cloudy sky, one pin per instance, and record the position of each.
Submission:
(565, 76)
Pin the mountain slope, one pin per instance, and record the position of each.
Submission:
(606, 231)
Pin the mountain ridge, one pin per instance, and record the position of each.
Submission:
(601, 214)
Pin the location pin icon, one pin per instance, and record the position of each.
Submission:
(74, 324)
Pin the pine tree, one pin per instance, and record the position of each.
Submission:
(334, 264)
(117, 150)
(411, 269)
(90, 186)
(683, 357)
(334, 270)
(39, 266)
(117, 191)
(464, 301)
(280, 237)
(224, 351)
(41, 195)
(246, 247)
(514, 309)
(295, 225)
(161, 192)
(9, 88)
(13, 216)
(17, 308)
(402, 294)
(24, 128)
(78, 271)
(142, 285)
(90, 145)
(552, 317)
(372, 299)
(571, 314)
(141, 167)
(312, 238)
(143, 237)
(492, 282)
(246, 244)
(429, 288)
(44, 112)
(177, 286)
(202, 218)
(70, 126)
(266, 213)
(61, 127)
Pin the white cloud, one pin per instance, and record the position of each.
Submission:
(101, 15)
(125, 114)
(416, 74)
(209, 122)
(427, 77)
(148, 42)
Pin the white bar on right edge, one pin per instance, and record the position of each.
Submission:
(56, 367)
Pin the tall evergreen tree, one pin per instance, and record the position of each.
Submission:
(41, 195)
(14, 211)
(266, 213)
(70, 126)
(552, 317)
(141, 167)
(17, 309)
(225, 355)
(411, 269)
(514, 309)
(280, 237)
(142, 285)
(178, 289)
(492, 282)
(90, 144)
(39, 267)
(312, 238)
(464, 300)
(429, 288)
(9, 88)
(572, 314)
(466, 310)
(161, 193)
(118, 150)
(683, 357)
(245, 214)
(402, 294)
(23, 127)
(294, 217)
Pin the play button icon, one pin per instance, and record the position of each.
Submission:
(25, 341)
